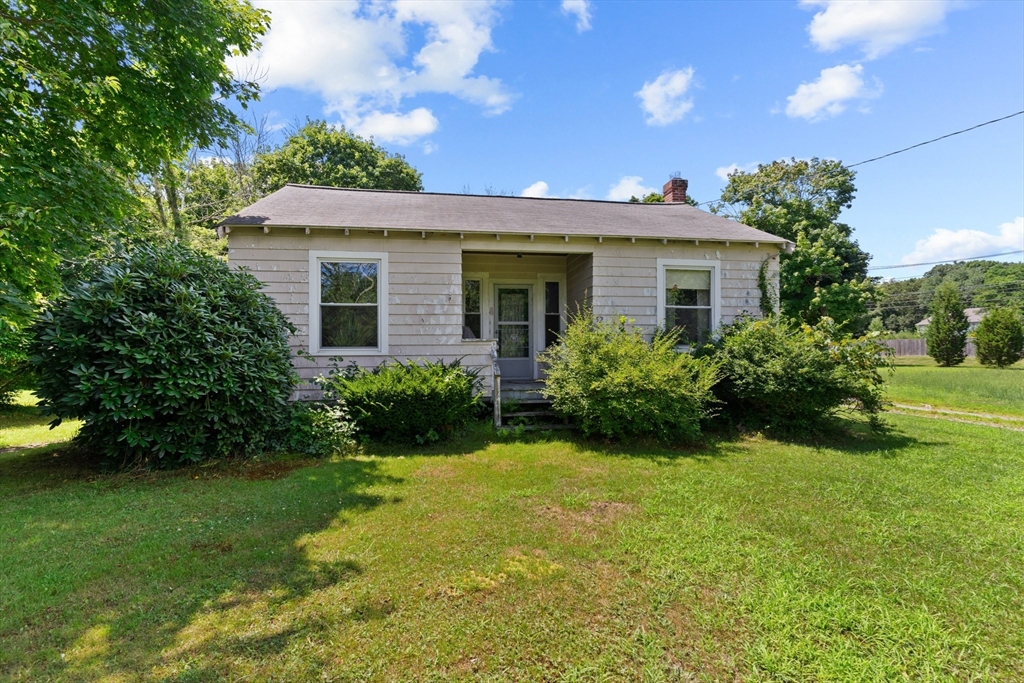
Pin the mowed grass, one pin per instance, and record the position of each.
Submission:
(547, 559)
(971, 386)
(21, 424)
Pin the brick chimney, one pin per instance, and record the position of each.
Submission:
(675, 190)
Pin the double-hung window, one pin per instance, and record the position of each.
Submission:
(688, 298)
(348, 302)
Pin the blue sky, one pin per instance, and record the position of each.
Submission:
(604, 99)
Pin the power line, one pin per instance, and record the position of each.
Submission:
(935, 263)
(943, 137)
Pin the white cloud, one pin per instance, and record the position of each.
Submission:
(664, 99)
(538, 189)
(429, 147)
(944, 245)
(829, 95)
(628, 186)
(877, 26)
(724, 171)
(354, 54)
(581, 10)
(398, 128)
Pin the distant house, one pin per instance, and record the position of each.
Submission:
(974, 316)
(372, 275)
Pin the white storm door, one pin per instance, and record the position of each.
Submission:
(514, 330)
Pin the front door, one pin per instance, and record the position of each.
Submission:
(514, 331)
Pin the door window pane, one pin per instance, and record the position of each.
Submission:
(513, 305)
(513, 341)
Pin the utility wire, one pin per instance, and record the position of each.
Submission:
(935, 263)
(943, 137)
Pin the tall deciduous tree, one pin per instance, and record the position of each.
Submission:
(801, 200)
(93, 93)
(947, 331)
(320, 154)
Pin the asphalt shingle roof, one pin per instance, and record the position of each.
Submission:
(332, 207)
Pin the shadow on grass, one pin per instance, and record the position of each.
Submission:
(167, 566)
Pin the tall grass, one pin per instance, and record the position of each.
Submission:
(967, 387)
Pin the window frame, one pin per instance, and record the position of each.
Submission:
(318, 257)
(715, 267)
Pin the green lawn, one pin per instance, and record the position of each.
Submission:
(970, 386)
(875, 558)
(21, 425)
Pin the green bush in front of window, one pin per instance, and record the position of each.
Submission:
(408, 402)
(796, 379)
(167, 356)
(613, 383)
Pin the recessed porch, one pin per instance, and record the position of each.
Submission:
(520, 303)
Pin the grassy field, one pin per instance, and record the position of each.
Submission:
(970, 386)
(875, 558)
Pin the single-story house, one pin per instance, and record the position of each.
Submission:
(371, 275)
(974, 317)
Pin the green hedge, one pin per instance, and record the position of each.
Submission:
(613, 383)
(408, 402)
(167, 356)
(796, 378)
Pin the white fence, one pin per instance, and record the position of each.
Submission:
(916, 347)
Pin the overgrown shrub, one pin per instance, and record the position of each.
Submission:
(167, 356)
(317, 429)
(408, 402)
(613, 383)
(795, 379)
(999, 339)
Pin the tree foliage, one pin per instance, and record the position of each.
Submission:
(167, 356)
(801, 200)
(947, 331)
(982, 284)
(95, 92)
(320, 154)
(999, 339)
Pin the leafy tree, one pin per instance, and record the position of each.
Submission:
(800, 200)
(947, 331)
(999, 339)
(320, 154)
(95, 92)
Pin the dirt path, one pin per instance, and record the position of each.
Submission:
(948, 416)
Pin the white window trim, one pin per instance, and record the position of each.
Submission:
(692, 264)
(315, 258)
